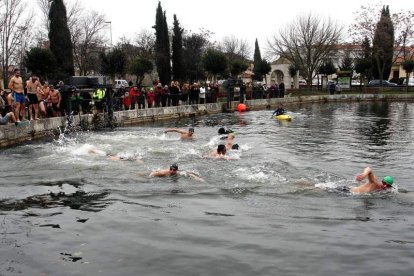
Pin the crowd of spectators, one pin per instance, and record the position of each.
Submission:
(33, 100)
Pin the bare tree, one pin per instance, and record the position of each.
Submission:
(306, 43)
(145, 41)
(87, 39)
(365, 23)
(15, 27)
(235, 48)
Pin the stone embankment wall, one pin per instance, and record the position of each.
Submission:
(11, 135)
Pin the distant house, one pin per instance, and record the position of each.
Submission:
(280, 67)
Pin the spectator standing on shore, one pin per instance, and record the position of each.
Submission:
(332, 88)
(42, 94)
(338, 88)
(165, 95)
(32, 86)
(141, 98)
(202, 94)
(126, 101)
(55, 98)
(174, 93)
(133, 94)
(16, 86)
(150, 97)
(185, 91)
(158, 90)
(282, 89)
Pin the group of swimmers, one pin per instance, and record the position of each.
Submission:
(220, 152)
(373, 183)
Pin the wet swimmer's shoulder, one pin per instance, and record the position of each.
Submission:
(373, 184)
(184, 134)
(163, 173)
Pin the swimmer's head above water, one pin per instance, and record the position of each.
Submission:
(191, 129)
(174, 167)
(222, 130)
(388, 180)
(221, 149)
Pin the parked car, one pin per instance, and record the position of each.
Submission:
(302, 83)
(410, 82)
(121, 84)
(378, 83)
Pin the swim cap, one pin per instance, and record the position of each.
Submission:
(388, 180)
(174, 167)
(221, 130)
(235, 147)
(191, 129)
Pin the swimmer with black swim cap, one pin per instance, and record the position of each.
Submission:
(174, 171)
(235, 147)
(373, 184)
(184, 134)
(162, 173)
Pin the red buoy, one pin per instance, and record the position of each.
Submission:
(241, 107)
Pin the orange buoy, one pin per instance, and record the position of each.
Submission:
(241, 107)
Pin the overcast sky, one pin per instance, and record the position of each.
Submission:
(245, 19)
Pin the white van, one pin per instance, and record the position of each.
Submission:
(121, 84)
(410, 81)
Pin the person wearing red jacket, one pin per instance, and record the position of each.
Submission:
(150, 97)
(133, 94)
(126, 101)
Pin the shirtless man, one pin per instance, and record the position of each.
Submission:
(373, 183)
(174, 171)
(16, 86)
(55, 98)
(184, 134)
(32, 86)
(42, 95)
(220, 152)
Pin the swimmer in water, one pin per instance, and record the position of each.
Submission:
(220, 152)
(174, 171)
(119, 157)
(184, 134)
(229, 142)
(373, 184)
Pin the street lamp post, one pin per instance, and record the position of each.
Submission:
(110, 30)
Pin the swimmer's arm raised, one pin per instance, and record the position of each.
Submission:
(367, 173)
(174, 130)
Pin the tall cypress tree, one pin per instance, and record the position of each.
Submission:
(177, 51)
(257, 62)
(162, 46)
(167, 53)
(383, 46)
(60, 40)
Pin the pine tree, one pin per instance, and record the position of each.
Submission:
(257, 62)
(162, 46)
(383, 46)
(177, 51)
(60, 40)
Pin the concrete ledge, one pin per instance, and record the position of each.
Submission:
(11, 135)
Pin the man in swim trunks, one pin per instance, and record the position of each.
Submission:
(373, 184)
(184, 134)
(16, 86)
(32, 86)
